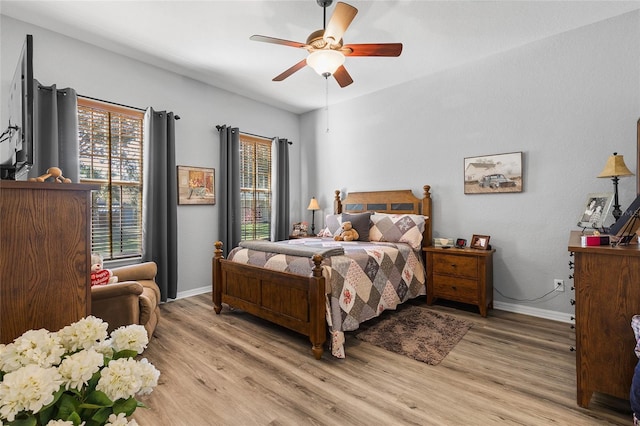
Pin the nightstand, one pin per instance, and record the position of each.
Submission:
(462, 275)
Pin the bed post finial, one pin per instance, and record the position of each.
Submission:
(216, 278)
(337, 203)
(426, 191)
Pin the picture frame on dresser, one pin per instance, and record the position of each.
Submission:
(595, 210)
(480, 242)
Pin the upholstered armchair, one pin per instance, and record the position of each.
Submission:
(134, 299)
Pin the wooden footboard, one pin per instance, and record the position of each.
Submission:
(292, 301)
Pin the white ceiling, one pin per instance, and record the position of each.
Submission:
(208, 40)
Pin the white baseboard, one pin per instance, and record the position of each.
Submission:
(509, 307)
(534, 312)
(194, 292)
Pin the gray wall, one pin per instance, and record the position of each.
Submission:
(566, 102)
(105, 75)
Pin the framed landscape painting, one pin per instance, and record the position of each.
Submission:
(490, 174)
(196, 185)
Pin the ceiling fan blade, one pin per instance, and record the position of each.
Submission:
(339, 22)
(267, 39)
(291, 70)
(342, 76)
(373, 49)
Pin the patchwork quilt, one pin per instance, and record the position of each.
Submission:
(368, 279)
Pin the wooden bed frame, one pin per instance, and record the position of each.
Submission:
(294, 301)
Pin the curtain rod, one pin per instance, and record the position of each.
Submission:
(218, 126)
(177, 117)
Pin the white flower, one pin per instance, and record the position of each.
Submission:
(120, 420)
(104, 347)
(38, 347)
(132, 337)
(76, 370)
(148, 376)
(27, 389)
(119, 379)
(83, 334)
(39, 365)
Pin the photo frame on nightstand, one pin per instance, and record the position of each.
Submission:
(480, 242)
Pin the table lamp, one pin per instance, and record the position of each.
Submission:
(615, 168)
(313, 206)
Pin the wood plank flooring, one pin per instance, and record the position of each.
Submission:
(234, 369)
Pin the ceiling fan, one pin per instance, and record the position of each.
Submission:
(326, 49)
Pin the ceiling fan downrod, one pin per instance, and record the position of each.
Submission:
(324, 4)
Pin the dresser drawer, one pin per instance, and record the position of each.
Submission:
(455, 288)
(451, 264)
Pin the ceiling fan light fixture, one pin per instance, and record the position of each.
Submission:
(325, 62)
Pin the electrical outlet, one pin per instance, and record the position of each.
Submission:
(558, 285)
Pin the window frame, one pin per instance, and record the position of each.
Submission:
(258, 195)
(116, 245)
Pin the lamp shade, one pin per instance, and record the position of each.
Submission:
(615, 167)
(313, 204)
(326, 61)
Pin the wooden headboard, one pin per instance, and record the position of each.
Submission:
(398, 202)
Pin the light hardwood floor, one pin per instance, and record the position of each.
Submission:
(234, 369)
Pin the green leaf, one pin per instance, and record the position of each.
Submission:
(29, 421)
(125, 353)
(67, 406)
(98, 398)
(102, 415)
(75, 418)
(126, 406)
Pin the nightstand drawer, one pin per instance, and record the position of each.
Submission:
(455, 288)
(451, 264)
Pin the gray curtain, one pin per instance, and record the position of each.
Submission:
(280, 190)
(230, 231)
(159, 212)
(55, 131)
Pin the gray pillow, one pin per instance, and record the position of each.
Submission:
(361, 222)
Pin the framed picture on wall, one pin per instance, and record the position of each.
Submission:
(491, 174)
(196, 185)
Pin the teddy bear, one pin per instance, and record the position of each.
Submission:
(348, 233)
(99, 275)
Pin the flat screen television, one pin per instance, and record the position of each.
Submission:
(17, 151)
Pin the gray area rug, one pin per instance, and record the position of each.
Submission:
(417, 332)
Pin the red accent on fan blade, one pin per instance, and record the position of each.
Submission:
(373, 49)
(291, 70)
(339, 22)
(267, 39)
(342, 76)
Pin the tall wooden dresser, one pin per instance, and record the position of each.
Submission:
(607, 296)
(45, 255)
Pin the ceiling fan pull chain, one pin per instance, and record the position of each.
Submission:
(326, 108)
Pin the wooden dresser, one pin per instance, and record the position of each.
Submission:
(463, 275)
(45, 247)
(607, 295)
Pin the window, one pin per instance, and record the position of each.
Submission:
(111, 156)
(255, 187)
